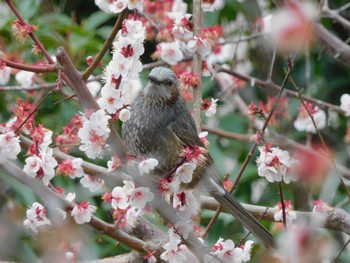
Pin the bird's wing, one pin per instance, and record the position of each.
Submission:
(185, 129)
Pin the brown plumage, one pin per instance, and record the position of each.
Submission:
(161, 126)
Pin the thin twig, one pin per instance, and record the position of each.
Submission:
(31, 34)
(341, 251)
(283, 205)
(32, 68)
(106, 45)
(35, 110)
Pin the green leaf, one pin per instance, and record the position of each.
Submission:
(96, 20)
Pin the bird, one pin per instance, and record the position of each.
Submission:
(161, 126)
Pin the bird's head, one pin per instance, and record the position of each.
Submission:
(162, 85)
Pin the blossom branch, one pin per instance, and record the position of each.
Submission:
(31, 34)
(336, 219)
(278, 140)
(85, 97)
(32, 68)
(106, 45)
(47, 86)
(287, 93)
(253, 147)
(53, 200)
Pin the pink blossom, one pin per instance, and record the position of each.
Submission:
(5, 74)
(211, 6)
(114, 163)
(321, 207)
(184, 172)
(200, 45)
(290, 213)
(94, 134)
(92, 183)
(183, 28)
(120, 199)
(140, 196)
(72, 168)
(304, 121)
(111, 99)
(9, 146)
(345, 104)
(124, 115)
(171, 52)
(211, 111)
(36, 217)
(275, 164)
(42, 165)
(82, 213)
(147, 165)
(118, 6)
(25, 78)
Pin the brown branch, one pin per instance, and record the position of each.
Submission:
(336, 219)
(333, 45)
(48, 86)
(334, 14)
(278, 140)
(32, 68)
(53, 200)
(85, 97)
(106, 45)
(31, 34)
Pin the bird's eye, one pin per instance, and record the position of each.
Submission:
(168, 83)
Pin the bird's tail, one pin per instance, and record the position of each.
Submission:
(227, 201)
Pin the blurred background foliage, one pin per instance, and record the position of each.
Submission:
(81, 28)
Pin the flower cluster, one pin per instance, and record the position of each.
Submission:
(73, 169)
(128, 202)
(304, 121)
(70, 134)
(82, 213)
(122, 71)
(275, 165)
(175, 251)
(36, 217)
(227, 252)
(119, 5)
(94, 133)
(9, 146)
(41, 162)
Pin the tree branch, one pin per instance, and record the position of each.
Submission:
(336, 219)
(32, 68)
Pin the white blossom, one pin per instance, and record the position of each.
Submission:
(124, 115)
(274, 164)
(345, 104)
(25, 78)
(5, 74)
(211, 111)
(119, 198)
(82, 213)
(147, 165)
(9, 146)
(140, 196)
(170, 52)
(36, 217)
(184, 172)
